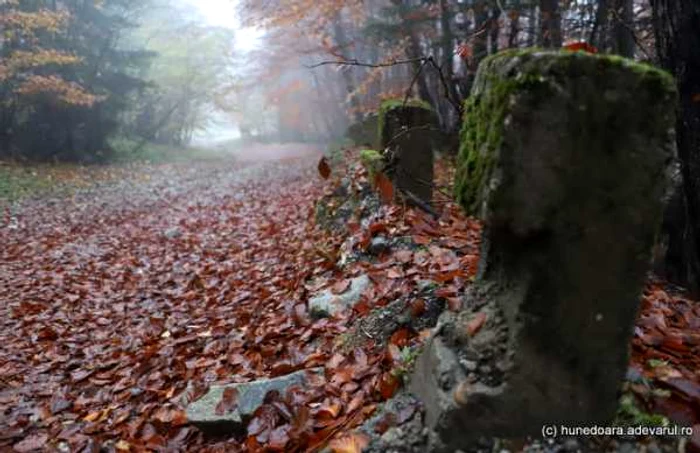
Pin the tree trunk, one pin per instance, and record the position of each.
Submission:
(514, 24)
(481, 22)
(676, 25)
(624, 28)
(550, 30)
(341, 42)
(447, 47)
(599, 33)
(495, 29)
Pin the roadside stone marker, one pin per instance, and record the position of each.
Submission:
(565, 157)
(408, 134)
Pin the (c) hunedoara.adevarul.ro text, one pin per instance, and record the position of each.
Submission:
(551, 431)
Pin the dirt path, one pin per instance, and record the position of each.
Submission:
(112, 300)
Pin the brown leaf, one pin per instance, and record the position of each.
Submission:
(385, 187)
(33, 442)
(324, 168)
(418, 307)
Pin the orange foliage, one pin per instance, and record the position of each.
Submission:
(18, 67)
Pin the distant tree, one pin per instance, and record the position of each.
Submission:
(64, 78)
(677, 25)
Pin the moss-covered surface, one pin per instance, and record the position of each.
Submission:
(590, 84)
(392, 104)
(372, 160)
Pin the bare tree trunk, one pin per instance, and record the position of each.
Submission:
(341, 42)
(599, 33)
(532, 25)
(676, 25)
(447, 47)
(514, 24)
(495, 29)
(550, 30)
(624, 28)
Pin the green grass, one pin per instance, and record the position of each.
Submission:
(127, 150)
(17, 182)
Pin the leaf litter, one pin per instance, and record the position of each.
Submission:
(120, 302)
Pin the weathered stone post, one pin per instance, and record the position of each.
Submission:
(565, 158)
(407, 132)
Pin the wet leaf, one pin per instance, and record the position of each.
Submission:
(351, 443)
(324, 168)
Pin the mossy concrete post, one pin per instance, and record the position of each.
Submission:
(408, 131)
(566, 158)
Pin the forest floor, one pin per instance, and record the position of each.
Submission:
(140, 285)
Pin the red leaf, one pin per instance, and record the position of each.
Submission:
(580, 47)
(324, 168)
(385, 187)
(400, 337)
(388, 385)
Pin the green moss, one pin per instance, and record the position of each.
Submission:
(372, 160)
(629, 414)
(391, 104)
(539, 75)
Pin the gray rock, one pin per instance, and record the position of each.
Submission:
(570, 186)
(329, 304)
(378, 245)
(173, 233)
(202, 413)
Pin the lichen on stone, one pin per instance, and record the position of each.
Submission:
(587, 85)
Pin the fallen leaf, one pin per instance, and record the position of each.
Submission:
(31, 443)
(350, 443)
(324, 168)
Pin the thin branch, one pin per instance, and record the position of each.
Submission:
(413, 82)
(366, 65)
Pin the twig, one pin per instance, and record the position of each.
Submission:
(423, 60)
(413, 82)
(366, 65)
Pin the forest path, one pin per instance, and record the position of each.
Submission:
(112, 299)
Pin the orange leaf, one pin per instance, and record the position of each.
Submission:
(581, 46)
(324, 169)
(388, 385)
(385, 187)
(330, 410)
(400, 337)
(351, 443)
